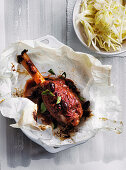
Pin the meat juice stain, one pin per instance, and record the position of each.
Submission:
(13, 67)
(18, 92)
(33, 92)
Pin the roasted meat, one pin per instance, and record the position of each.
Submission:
(68, 110)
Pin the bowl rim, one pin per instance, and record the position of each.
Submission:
(77, 3)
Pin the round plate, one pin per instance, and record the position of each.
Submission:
(79, 30)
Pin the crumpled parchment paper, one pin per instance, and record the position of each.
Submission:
(90, 76)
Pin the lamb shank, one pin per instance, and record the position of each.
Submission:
(69, 109)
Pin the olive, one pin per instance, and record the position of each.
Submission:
(51, 86)
(59, 106)
(86, 113)
(86, 105)
(35, 94)
(71, 85)
(64, 105)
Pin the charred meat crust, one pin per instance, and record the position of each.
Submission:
(68, 109)
(20, 57)
(24, 51)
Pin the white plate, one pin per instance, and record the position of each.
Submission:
(54, 43)
(82, 37)
(96, 80)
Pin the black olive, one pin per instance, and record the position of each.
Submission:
(66, 136)
(86, 113)
(51, 86)
(36, 93)
(71, 85)
(64, 105)
(86, 105)
(56, 94)
(55, 123)
(70, 127)
(59, 106)
(53, 100)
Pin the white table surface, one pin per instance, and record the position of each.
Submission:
(30, 19)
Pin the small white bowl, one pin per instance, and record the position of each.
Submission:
(79, 30)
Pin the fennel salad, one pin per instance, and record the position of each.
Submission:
(104, 23)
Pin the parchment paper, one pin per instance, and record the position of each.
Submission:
(90, 76)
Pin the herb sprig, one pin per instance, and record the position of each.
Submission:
(64, 74)
(51, 72)
(47, 92)
(58, 99)
(43, 108)
(81, 98)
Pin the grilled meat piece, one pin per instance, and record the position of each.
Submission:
(67, 111)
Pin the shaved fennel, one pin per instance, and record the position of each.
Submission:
(104, 23)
